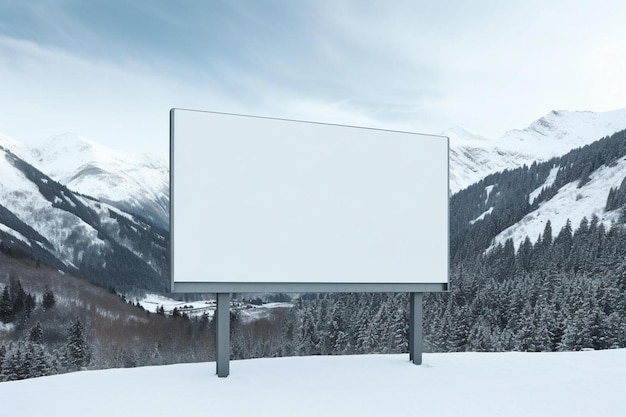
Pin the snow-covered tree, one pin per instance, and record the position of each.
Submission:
(78, 352)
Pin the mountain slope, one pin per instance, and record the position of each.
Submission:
(138, 184)
(42, 219)
(572, 203)
(473, 158)
(519, 202)
(558, 132)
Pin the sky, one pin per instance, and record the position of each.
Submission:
(110, 70)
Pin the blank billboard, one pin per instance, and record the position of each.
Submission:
(261, 204)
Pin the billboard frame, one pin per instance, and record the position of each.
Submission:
(290, 287)
(224, 289)
(297, 287)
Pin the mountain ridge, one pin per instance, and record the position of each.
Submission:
(554, 134)
(44, 220)
(136, 183)
(121, 202)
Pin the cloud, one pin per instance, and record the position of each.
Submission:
(488, 66)
(47, 92)
(408, 65)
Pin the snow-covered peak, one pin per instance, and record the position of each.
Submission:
(66, 141)
(472, 157)
(61, 155)
(9, 144)
(460, 136)
(558, 132)
(137, 182)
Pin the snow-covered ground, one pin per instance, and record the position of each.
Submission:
(252, 313)
(248, 312)
(547, 184)
(453, 384)
(152, 302)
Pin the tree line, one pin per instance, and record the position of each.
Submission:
(562, 292)
(31, 356)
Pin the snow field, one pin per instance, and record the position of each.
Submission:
(248, 313)
(547, 184)
(453, 384)
(152, 302)
(571, 203)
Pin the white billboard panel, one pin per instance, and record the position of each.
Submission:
(260, 204)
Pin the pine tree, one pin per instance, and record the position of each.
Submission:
(288, 332)
(3, 353)
(336, 339)
(48, 301)
(27, 361)
(78, 354)
(40, 363)
(11, 368)
(524, 255)
(308, 340)
(578, 256)
(36, 334)
(597, 331)
(563, 246)
(6, 307)
(399, 329)
(29, 305)
(18, 297)
(547, 234)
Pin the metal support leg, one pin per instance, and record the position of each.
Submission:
(411, 329)
(416, 342)
(222, 335)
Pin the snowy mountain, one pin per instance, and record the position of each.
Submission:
(587, 182)
(571, 202)
(67, 201)
(472, 160)
(558, 132)
(138, 184)
(42, 219)
(473, 157)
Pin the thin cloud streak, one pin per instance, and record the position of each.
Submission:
(48, 92)
(420, 66)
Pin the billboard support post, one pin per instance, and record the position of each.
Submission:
(416, 342)
(222, 335)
